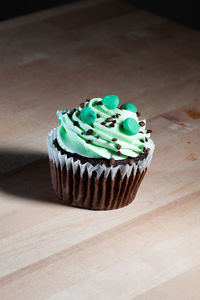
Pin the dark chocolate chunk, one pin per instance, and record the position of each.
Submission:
(112, 161)
(112, 124)
(75, 123)
(141, 123)
(90, 131)
(118, 153)
(149, 131)
(114, 121)
(114, 139)
(89, 141)
(118, 146)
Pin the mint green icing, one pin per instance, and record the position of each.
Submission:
(110, 101)
(129, 106)
(72, 133)
(130, 126)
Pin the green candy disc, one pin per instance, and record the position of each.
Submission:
(110, 101)
(129, 106)
(87, 115)
(130, 126)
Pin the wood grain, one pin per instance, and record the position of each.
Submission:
(55, 59)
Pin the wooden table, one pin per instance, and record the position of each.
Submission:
(53, 60)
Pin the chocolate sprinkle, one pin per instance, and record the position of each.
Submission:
(98, 116)
(90, 131)
(141, 123)
(146, 139)
(82, 105)
(149, 131)
(98, 136)
(103, 123)
(89, 141)
(138, 113)
(75, 123)
(114, 139)
(82, 133)
(110, 120)
(118, 146)
(92, 126)
(99, 103)
(118, 153)
(117, 115)
(142, 141)
(112, 161)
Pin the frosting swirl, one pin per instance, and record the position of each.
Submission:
(106, 137)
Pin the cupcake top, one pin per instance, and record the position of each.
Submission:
(99, 129)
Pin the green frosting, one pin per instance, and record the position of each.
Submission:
(87, 115)
(100, 132)
(130, 126)
(129, 106)
(110, 101)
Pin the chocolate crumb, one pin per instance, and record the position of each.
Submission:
(118, 146)
(138, 113)
(90, 131)
(118, 153)
(112, 161)
(99, 103)
(131, 161)
(114, 139)
(141, 123)
(89, 141)
(146, 139)
(75, 123)
(98, 136)
(98, 116)
(149, 131)
(103, 123)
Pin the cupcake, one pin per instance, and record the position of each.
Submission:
(99, 154)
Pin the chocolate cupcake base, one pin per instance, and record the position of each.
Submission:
(96, 187)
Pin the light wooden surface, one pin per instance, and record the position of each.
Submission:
(52, 60)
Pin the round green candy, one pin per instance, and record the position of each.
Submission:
(129, 106)
(87, 115)
(110, 101)
(130, 126)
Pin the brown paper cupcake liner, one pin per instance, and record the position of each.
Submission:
(94, 187)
